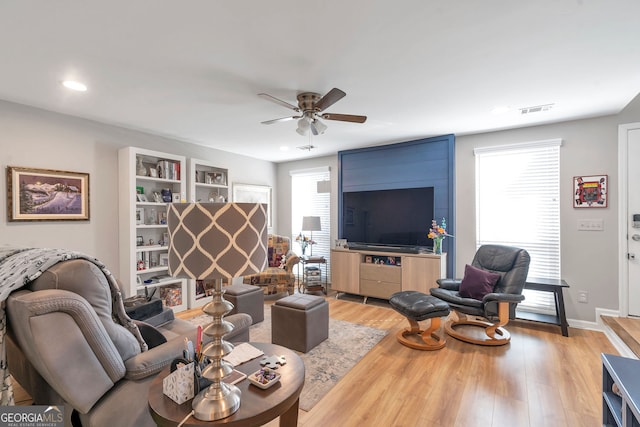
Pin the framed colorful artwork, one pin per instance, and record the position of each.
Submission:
(47, 195)
(590, 191)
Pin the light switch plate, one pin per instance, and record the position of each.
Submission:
(591, 224)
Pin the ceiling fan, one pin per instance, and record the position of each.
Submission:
(310, 107)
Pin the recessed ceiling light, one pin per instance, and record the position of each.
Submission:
(284, 148)
(73, 85)
(500, 109)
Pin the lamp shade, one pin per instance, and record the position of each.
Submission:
(311, 223)
(217, 240)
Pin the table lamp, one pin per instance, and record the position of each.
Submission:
(215, 241)
(311, 223)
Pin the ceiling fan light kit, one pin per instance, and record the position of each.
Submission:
(318, 126)
(311, 104)
(303, 126)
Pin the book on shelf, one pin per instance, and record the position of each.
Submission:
(168, 170)
(162, 278)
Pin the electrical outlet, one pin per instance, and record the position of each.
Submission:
(583, 297)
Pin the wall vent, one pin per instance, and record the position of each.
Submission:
(536, 109)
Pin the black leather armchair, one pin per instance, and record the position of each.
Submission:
(512, 266)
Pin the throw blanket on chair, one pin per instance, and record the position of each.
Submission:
(18, 267)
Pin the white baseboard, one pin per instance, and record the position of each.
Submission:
(583, 324)
(619, 344)
(605, 312)
(600, 326)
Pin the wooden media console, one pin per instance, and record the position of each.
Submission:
(379, 274)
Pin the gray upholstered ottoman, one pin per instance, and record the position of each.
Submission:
(246, 299)
(300, 322)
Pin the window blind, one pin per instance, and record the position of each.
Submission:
(306, 201)
(518, 204)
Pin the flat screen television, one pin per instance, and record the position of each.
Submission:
(394, 218)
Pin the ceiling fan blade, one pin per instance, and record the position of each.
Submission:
(333, 96)
(345, 117)
(283, 119)
(279, 101)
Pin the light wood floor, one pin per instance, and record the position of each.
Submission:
(540, 379)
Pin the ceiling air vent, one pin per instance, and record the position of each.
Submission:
(307, 147)
(536, 109)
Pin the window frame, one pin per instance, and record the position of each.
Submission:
(542, 168)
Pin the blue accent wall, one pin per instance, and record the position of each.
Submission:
(425, 162)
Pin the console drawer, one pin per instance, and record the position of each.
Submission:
(379, 289)
(382, 273)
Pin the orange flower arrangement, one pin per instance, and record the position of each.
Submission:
(438, 233)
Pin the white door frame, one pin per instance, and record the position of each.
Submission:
(623, 221)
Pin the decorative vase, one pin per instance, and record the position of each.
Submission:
(437, 246)
(141, 170)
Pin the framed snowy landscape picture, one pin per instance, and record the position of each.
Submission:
(47, 195)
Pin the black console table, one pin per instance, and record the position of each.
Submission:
(548, 285)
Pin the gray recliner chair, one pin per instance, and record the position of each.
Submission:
(64, 347)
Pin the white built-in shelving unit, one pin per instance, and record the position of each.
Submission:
(207, 182)
(148, 181)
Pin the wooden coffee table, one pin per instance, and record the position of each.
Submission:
(257, 406)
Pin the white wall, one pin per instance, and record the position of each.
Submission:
(32, 137)
(588, 258)
(284, 187)
(631, 113)
(36, 138)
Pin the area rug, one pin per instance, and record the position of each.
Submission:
(326, 363)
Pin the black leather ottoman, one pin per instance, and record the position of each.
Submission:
(416, 306)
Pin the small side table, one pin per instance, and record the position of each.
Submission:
(311, 281)
(548, 285)
(257, 406)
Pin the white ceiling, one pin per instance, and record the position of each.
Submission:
(192, 69)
